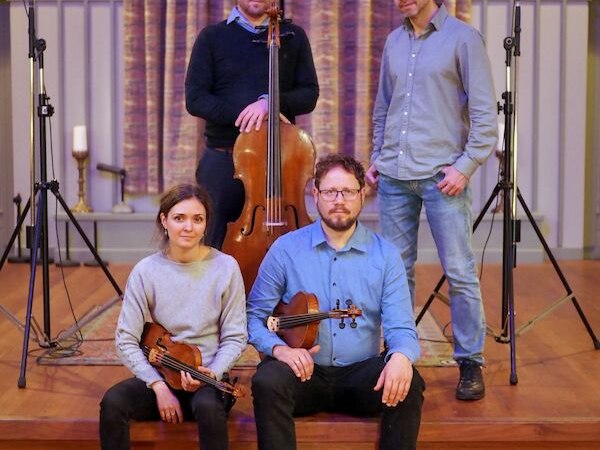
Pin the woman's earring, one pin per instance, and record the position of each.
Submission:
(166, 233)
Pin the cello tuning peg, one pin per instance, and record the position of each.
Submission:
(342, 324)
(353, 324)
(348, 302)
(337, 304)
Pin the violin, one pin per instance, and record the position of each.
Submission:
(171, 357)
(297, 322)
(275, 164)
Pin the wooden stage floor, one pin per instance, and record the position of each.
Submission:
(554, 405)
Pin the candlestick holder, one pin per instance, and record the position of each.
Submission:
(81, 206)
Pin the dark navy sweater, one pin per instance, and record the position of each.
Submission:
(228, 70)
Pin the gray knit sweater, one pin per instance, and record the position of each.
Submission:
(201, 303)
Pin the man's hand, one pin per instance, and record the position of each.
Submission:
(372, 177)
(252, 116)
(190, 384)
(395, 378)
(299, 359)
(168, 405)
(454, 182)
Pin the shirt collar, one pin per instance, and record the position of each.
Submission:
(236, 16)
(437, 20)
(358, 240)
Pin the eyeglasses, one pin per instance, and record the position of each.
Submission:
(331, 194)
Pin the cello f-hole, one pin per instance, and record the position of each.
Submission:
(243, 231)
(295, 213)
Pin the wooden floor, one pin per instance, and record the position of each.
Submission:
(555, 405)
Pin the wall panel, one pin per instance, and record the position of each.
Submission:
(84, 80)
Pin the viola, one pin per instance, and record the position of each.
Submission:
(172, 357)
(275, 164)
(297, 322)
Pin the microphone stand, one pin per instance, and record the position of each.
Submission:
(511, 226)
(37, 233)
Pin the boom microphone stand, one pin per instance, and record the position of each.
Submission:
(512, 226)
(37, 234)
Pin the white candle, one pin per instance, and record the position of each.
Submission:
(79, 139)
(499, 145)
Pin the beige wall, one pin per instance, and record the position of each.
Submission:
(84, 80)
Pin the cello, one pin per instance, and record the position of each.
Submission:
(275, 164)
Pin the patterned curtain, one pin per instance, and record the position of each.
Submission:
(162, 141)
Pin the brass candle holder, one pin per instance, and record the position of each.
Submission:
(81, 206)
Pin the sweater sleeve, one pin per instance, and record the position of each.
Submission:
(302, 97)
(233, 331)
(200, 78)
(134, 313)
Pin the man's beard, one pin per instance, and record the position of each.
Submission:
(338, 224)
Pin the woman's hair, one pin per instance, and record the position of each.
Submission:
(348, 163)
(178, 194)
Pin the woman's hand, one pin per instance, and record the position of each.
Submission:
(168, 405)
(190, 384)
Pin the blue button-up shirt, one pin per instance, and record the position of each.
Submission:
(436, 102)
(368, 271)
(236, 16)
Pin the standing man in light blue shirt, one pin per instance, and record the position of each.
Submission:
(337, 258)
(434, 125)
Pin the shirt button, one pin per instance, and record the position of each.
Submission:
(334, 358)
(401, 152)
(414, 55)
(408, 94)
(410, 74)
(335, 259)
(334, 284)
(403, 131)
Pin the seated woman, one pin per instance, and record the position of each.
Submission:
(197, 294)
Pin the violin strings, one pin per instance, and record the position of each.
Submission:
(172, 363)
(295, 320)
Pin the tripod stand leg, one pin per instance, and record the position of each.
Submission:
(34, 250)
(15, 233)
(87, 241)
(559, 271)
(513, 379)
(438, 286)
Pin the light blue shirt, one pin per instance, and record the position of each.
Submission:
(368, 271)
(236, 16)
(436, 102)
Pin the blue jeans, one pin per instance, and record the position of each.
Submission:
(450, 220)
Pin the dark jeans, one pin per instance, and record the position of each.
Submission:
(132, 399)
(215, 173)
(279, 396)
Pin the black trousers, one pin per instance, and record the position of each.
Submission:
(132, 399)
(279, 396)
(215, 173)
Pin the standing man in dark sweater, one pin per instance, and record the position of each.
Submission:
(227, 84)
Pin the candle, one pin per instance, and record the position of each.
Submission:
(79, 139)
(499, 145)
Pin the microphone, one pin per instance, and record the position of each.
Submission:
(112, 169)
(517, 28)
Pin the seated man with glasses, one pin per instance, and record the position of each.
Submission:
(337, 259)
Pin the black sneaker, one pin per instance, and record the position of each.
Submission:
(470, 386)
